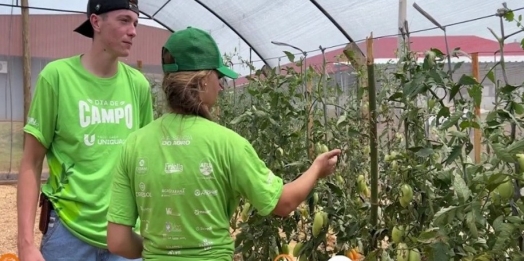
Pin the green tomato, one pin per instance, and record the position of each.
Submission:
(397, 234)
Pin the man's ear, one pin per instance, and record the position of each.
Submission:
(95, 22)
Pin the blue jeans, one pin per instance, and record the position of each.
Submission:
(58, 244)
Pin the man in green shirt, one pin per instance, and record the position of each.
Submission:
(83, 109)
(183, 175)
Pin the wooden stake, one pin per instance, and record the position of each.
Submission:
(139, 65)
(26, 53)
(402, 13)
(373, 142)
(309, 86)
(358, 61)
(477, 146)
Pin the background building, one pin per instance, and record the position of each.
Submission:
(384, 50)
(52, 37)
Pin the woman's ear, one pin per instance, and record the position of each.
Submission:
(203, 84)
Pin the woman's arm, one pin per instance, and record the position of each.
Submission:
(123, 241)
(296, 192)
(252, 179)
(122, 213)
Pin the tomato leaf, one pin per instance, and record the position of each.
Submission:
(335, 189)
(516, 147)
(470, 222)
(439, 252)
(502, 153)
(451, 121)
(461, 189)
(443, 215)
(455, 153)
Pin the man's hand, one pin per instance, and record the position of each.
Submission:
(29, 253)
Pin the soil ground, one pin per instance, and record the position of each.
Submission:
(8, 220)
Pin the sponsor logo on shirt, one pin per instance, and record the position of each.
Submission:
(143, 209)
(174, 238)
(32, 121)
(171, 168)
(173, 192)
(90, 140)
(174, 252)
(177, 141)
(145, 224)
(206, 169)
(204, 228)
(202, 212)
(169, 212)
(142, 193)
(206, 192)
(206, 244)
(141, 167)
(170, 227)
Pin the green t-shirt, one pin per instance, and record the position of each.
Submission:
(83, 120)
(184, 176)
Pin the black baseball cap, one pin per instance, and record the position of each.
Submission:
(99, 7)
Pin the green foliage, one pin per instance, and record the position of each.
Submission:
(158, 97)
(273, 114)
(450, 207)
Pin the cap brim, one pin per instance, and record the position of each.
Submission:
(225, 71)
(85, 29)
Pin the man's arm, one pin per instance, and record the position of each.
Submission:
(29, 189)
(39, 135)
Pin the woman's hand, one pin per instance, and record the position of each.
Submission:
(325, 163)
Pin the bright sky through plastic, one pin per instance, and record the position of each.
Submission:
(301, 24)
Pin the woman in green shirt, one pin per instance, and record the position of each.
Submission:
(182, 175)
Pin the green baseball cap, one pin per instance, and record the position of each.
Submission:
(193, 50)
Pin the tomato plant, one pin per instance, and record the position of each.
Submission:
(158, 98)
(283, 108)
(435, 201)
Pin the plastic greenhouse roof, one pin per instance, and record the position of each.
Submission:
(249, 26)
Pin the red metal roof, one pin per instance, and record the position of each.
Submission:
(385, 48)
(52, 36)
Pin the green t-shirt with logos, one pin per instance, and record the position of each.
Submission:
(83, 120)
(183, 176)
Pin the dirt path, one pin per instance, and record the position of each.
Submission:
(8, 220)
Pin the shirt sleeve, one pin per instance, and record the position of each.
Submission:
(43, 111)
(253, 180)
(122, 205)
(146, 104)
